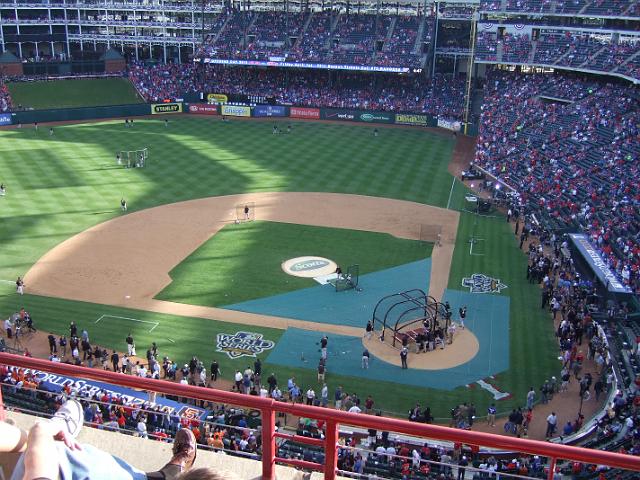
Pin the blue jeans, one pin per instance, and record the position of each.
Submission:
(88, 463)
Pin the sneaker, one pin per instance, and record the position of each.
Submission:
(71, 416)
(184, 448)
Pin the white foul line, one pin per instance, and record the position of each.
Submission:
(155, 324)
(451, 192)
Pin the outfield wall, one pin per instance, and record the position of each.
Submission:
(258, 111)
(312, 113)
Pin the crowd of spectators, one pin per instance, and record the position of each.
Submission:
(329, 37)
(601, 8)
(5, 98)
(440, 96)
(563, 48)
(576, 163)
(401, 45)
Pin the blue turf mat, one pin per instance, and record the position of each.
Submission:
(323, 304)
(487, 318)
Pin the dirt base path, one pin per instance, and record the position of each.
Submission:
(126, 261)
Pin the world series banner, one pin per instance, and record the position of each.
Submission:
(164, 108)
(55, 383)
(269, 111)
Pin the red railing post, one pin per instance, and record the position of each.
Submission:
(552, 468)
(2, 415)
(268, 443)
(331, 450)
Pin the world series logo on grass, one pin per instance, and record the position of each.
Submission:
(481, 283)
(242, 344)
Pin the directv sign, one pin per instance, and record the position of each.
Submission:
(598, 264)
(5, 119)
(326, 66)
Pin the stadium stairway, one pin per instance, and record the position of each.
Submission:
(151, 455)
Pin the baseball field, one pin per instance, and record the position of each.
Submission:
(177, 269)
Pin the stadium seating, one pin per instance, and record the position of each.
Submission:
(562, 48)
(600, 8)
(325, 36)
(576, 164)
(5, 98)
(441, 96)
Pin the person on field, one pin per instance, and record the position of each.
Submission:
(20, 286)
(131, 345)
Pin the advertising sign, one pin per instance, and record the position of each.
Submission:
(323, 66)
(269, 111)
(454, 125)
(55, 383)
(5, 119)
(236, 111)
(303, 112)
(163, 108)
(203, 109)
(598, 264)
(411, 119)
(217, 98)
(357, 116)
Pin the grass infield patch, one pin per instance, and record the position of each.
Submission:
(73, 93)
(243, 261)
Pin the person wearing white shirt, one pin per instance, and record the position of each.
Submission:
(8, 327)
(276, 394)
(355, 409)
(324, 395)
(311, 394)
(263, 392)
(391, 452)
(142, 428)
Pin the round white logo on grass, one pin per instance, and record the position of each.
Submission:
(309, 267)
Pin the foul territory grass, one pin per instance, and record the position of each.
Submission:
(73, 93)
(243, 261)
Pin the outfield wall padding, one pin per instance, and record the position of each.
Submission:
(81, 113)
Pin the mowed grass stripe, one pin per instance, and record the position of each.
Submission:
(242, 261)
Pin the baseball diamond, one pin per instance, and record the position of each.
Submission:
(417, 211)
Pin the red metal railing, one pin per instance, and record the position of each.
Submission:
(332, 419)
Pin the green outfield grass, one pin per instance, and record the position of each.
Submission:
(242, 262)
(58, 186)
(73, 93)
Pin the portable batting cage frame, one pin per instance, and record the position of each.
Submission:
(134, 158)
(348, 280)
(408, 308)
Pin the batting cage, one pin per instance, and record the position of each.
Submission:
(133, 158)
(405, 314)
(349, 279)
